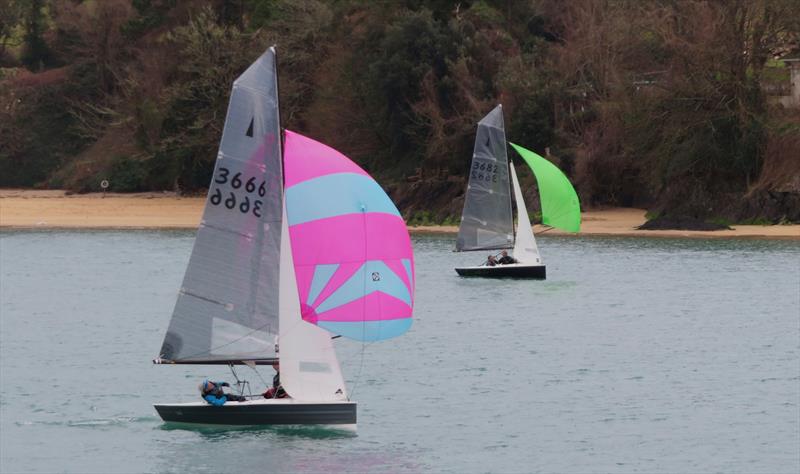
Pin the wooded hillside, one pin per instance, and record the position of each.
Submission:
(657, 104)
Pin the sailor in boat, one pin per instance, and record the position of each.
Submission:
(213, 394)
(276, 391)
(506, 259)
(490, 261)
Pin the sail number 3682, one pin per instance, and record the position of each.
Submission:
(484, 172)
(230, 200)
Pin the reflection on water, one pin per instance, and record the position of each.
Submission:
(655, 355)
(212, 432)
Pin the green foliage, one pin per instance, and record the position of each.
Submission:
(481, 12)
(185, 130)
(37, 133)
(36, 54)
(10, 14)
(127, 175)
(431, 218)
(413, 46)
(451, 220)
(421, 218)
(637, 110)
(262, 12)
(150, 14)
(163, 171)
(758, 221)
(720, 221)
(651, 215)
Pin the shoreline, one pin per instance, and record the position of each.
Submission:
(55, 210)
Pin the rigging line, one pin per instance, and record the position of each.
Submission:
(350, 358)
(549, 228)
(364, 323)
(360, 369)
(239, 383)
(258, 374)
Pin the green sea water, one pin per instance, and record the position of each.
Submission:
(635, 355)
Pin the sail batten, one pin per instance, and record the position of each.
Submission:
(227, 307)
(486, 221)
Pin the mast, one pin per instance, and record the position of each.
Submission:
(282, 142)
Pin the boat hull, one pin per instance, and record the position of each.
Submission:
(505, 271)
(261, 412)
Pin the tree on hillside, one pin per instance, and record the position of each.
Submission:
(672, 96)
(36, 54)
(10, 15)
(92, 34)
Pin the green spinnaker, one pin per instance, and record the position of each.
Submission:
(560, 205)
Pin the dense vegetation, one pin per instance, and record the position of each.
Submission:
(660, 104)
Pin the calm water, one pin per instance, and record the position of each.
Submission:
(635, 355)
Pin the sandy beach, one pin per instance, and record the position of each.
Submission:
(31, 209)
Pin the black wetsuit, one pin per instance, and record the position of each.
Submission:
(506, 260)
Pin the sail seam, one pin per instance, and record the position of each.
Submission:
(225, 156)
(255, 91)
(230, 231)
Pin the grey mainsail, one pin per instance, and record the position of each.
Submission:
(227, 308)
(486, 221)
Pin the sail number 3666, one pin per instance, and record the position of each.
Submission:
(231, 201)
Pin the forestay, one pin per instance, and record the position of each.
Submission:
(227, 309)
(486, 221)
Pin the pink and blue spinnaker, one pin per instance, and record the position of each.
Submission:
(352, 253)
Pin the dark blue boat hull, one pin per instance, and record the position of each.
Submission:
(249, 413)
(505, 271)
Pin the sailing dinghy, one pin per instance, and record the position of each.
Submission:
(297, 246)
(487, 222)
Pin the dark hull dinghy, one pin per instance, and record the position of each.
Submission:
(487, 221)
(514, 270)
(279, 267)
(284, 411)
